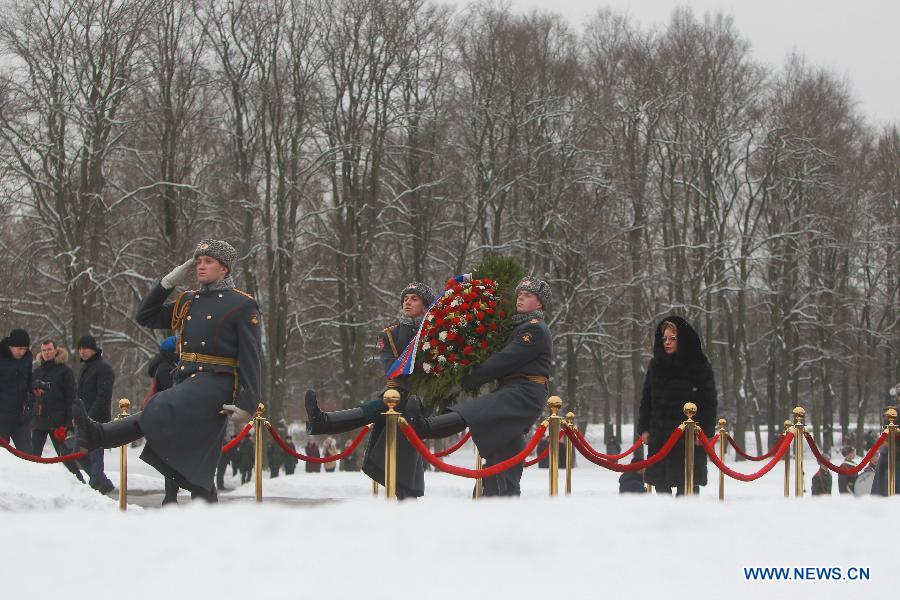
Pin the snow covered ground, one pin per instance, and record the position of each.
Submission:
(593, 544)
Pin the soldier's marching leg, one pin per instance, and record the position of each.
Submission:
(339, 421)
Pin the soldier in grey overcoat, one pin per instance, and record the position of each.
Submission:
(218, 374)
(499, 420)
(415, 299)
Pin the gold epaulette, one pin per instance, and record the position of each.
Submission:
(390, 339)
(243, 293)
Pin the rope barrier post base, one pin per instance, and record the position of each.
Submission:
(649, 488)
(259, 423)
(723, 433)
(554, 403)
(787, 462)
(799, 413)
(124, 405)
(690, 436)
(891, 415)
(570, 424)
(391, 420)
(374, 488)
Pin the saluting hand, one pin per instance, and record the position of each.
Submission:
(177, 275)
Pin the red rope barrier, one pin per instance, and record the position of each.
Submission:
(842, 470)
(455, 446)
(597, 453)
(742, 453)
(782, 447)
(315, 459)
(40, 459)
(230, 445)
(472, 473)
(635, 466)
(542, 455)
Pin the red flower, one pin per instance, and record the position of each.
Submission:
(468, 350)
(483, 344)
(452, 336)
(456, 320)
(465, 362)
(490, 311)
(59, 434)
(479, 315)
(502, 314)
(469, 317)
(492, 327)
(464, 306)
(480, 330)
(487, 281)
(492, 304)
(452, 358)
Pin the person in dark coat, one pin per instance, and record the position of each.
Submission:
(821, 482)
(95, 388)
(415, 299)
(54, 390)
(218, 374)
(312, 450)
(351, 461)
(246, 459)
(275, 457)
(290, 462)
(679, 372)
(225, 458)
(161, 371)
(16, 400)
(880, 481)
(847, 482)
(632, 482)
(499, 420)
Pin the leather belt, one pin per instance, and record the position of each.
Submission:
(208, 359)
(538, 379)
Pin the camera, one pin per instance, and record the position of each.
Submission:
(41, 385)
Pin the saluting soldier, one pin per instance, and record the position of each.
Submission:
(498, 421)
(415, 299)
(218, 374)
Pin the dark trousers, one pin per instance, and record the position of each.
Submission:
(98, 480)
(39, 438)
(171, 492)
(19, 432)
(507, 482)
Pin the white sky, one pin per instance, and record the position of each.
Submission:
(856, 39)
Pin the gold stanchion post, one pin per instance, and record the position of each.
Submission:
(891, 415)
(723, 433)
(374, 488)
(554, 403)
(690, 435)
(479, 484)
(787, 462)
(391, 420)
(124, 405)
(570, 425)
(259, 422)
(799, 413)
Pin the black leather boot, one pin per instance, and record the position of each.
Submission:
(90, 435)
(439, 426)
(337, 421)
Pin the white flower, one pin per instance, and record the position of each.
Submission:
(427, 367)
(442, 359)
(442, 336)
(426, 346)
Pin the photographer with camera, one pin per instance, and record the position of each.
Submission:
(53, 385)
(15, 389)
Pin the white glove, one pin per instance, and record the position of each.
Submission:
(177, 275)
(238, 415)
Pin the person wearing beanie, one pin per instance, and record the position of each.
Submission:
(415, 298)
(218, 375)
(15, 389)
(498, 421)
(95, 389)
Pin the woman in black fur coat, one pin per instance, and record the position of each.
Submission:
(679, 372)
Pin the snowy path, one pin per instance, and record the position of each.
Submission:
(593, 544)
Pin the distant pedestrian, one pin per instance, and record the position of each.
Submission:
(312, 450)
